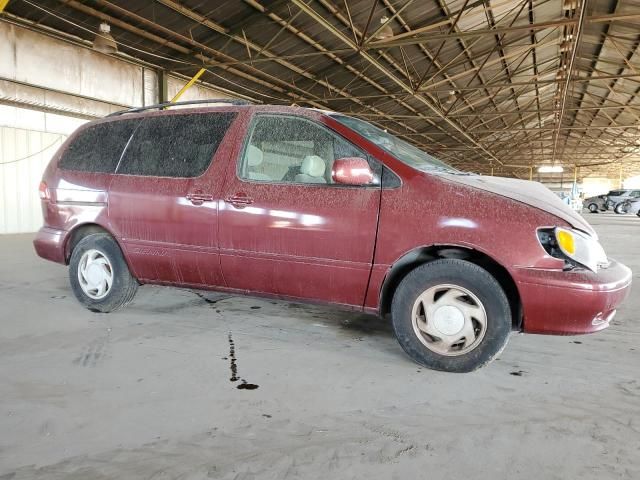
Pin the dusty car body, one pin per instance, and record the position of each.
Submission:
(316, 206)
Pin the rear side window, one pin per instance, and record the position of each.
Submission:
(175, 145)
(98, 148)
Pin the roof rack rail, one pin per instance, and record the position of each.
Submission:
(159, 106)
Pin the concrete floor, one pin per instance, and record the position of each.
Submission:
(145, 393)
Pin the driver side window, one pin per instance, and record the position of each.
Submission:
(284, 149)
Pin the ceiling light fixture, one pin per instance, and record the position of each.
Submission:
(104, 42)
(386, 31)
(453, 95)
(550, 169)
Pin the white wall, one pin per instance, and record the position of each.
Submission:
(28, 139)
(27, 119)
(632, 182)
(195, 92)
(593, 186)
(24, 156)
(32, 58)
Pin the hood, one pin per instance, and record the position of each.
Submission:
(531, 193)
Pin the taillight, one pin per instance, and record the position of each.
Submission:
(43, 190)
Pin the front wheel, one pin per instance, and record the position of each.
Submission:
(620, 209)
(593, 208)
(99, 276)
(451, 315)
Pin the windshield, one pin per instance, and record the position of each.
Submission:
(403, 151)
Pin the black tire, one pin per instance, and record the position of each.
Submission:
(593, 208)
(474, 279)
(620, 209)
(123, 287)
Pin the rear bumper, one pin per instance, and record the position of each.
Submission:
(569, 303)
(49, 244)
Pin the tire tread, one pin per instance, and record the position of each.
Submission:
(460, 271)
(124, 286)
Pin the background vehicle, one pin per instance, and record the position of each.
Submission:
(596, 204)
(316, 206)
(630, 206)
(616, 197)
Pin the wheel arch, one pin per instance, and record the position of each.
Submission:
(82, 230)
(426, 254)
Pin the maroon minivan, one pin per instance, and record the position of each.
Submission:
(316, 206)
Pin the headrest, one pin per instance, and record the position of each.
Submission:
(254, 156)
(312, 165)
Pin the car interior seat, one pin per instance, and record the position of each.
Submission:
(312, 170)
(254, 159)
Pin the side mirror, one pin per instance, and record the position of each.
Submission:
(351, 171)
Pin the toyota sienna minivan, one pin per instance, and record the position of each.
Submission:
(316, 206)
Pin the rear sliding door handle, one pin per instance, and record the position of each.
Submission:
(239, 200)
(198, 198)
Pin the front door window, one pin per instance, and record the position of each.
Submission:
(283, 149)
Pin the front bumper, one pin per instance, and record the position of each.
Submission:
(568, 303)
(49, 244)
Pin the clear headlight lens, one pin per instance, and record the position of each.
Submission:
(573, 246)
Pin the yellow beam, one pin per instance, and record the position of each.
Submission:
(3, 5)
(187, 85)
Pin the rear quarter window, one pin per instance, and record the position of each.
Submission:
(98, 148)
(181, 145)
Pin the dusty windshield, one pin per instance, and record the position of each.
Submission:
(403, 151)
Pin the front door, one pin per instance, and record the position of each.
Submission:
(163, 198)
(285, 227)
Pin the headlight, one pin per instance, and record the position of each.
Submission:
(574, 247)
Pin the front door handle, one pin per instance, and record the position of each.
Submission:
(198, 198)
(239, 200)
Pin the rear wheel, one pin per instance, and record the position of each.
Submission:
(593, 208)
(451, 315)
(99, 276)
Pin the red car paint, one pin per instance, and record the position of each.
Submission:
(335, 245)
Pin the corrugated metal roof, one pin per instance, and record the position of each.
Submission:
(474, 82)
